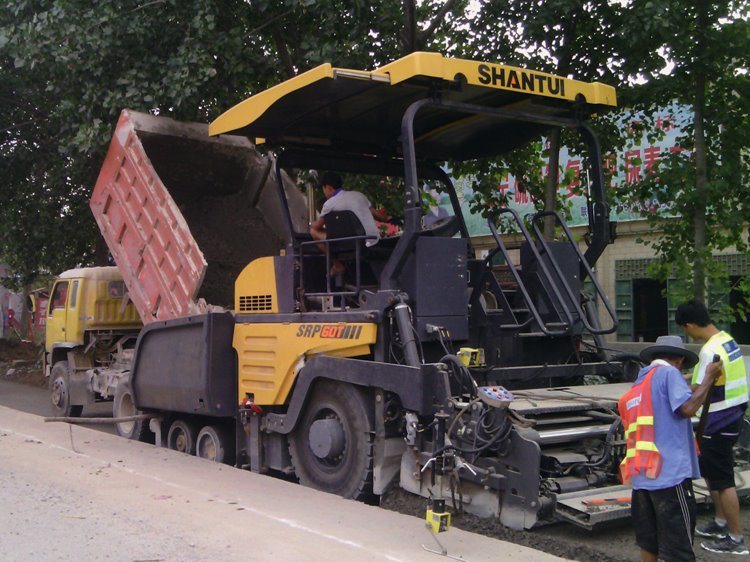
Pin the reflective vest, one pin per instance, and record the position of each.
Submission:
(637, 413)
(733, 381)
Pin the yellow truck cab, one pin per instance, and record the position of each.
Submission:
(90, 324)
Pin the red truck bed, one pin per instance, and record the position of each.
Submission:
(183, 213)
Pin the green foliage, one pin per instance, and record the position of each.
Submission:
(68, 67)
(526, 164)
(564, 37)
(706, 184)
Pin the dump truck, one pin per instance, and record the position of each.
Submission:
(454, 376)
(90, 335)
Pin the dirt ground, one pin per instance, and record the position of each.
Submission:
(21, 362)
(561, 540)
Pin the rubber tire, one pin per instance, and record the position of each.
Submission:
(351, 475)
(182, 436)
(214, 444)
(60, 377)
(124, 406)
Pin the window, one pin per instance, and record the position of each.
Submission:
(116, 289)
(74, 295)
(59, 296)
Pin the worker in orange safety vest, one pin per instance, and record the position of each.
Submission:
(661, 459)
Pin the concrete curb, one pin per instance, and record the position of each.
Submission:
(167, 494)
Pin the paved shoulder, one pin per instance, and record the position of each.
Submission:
(73, 493)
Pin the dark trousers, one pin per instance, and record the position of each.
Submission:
(664, 521)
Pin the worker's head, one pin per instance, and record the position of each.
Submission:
(692, 316)
(672, 350)
(330, 182)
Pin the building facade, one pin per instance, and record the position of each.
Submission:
(643, 308)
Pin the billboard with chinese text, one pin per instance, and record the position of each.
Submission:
(627, 166)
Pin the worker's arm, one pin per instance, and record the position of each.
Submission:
(705, 358)
(317, 229)
(692, 404)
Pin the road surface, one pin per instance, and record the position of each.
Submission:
(607, 545)
(73, 493)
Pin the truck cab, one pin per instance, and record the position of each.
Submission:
(90, 324)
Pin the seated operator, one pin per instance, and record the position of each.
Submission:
(338, 199)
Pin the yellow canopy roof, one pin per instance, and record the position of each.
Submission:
(356, 111)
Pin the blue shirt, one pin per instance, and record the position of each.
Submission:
(673, 433)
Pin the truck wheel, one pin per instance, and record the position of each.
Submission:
(214, 443)
(123, 407)
(181, 437)
(59, 386)
(331, 446)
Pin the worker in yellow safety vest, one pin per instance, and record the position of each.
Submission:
(725, 419)
(661, 458)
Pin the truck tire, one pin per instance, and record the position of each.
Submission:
(214, 444)
(124, 406)
(181, 437)
(332, 444)
(59, 387)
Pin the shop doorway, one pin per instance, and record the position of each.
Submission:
(650, 310)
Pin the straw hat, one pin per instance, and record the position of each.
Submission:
(670, 345)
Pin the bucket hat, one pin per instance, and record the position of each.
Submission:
(670, 345)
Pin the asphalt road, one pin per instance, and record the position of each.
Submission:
(35, 400)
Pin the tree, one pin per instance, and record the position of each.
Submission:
(704, 49)
(68, 67)
(563, 37)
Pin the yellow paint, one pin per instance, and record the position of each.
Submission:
(88, 306)
(438, 522)
(255, 288)
(437, 66)
(268, 354)
(252, 108)
(432, 65)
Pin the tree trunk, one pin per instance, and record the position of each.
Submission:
(409, 37)
(701, 176)
(284, 57)
(553, 179)
(23, 316)
(101, 251)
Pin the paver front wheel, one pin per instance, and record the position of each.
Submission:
(331, 446)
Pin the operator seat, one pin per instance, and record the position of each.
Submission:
(343, 224)
(346, 224)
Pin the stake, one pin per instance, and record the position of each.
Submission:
(101, 420)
